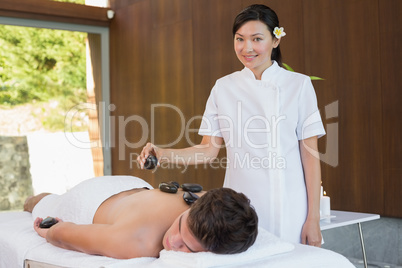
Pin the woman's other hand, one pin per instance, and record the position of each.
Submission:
(311, 233)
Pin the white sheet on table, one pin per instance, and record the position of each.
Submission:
(18, 241)
(304, 257)
(10, 239)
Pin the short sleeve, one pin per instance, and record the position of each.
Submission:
(309, 121)
(210, 123)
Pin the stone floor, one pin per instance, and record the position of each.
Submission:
(359, 264)
(382, 240)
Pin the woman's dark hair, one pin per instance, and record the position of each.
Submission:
(223, 221)
(265, 15)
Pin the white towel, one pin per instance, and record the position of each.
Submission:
(80, 203)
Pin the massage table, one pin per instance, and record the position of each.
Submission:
(21, 246)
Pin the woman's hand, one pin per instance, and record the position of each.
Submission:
(148, 149)
(311, 233)
(202, 153)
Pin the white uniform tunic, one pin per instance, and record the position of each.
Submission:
(261, 122)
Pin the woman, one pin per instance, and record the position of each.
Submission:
(269, 121)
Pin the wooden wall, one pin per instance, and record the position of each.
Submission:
(172, 52)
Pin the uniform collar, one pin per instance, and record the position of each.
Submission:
(266, 75)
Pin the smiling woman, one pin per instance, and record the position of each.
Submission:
(254, 45)
(270, 22)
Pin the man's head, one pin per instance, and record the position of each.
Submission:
(221, 221)
(224, 221)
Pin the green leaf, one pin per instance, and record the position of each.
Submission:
(316, 78)
(288, 67)
(291, 69)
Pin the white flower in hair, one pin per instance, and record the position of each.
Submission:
(279, 32)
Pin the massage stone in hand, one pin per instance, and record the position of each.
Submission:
(48, 222)
(151, 162)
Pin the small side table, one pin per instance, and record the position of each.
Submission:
(344, 218)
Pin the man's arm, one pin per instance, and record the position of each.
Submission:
(97, 239)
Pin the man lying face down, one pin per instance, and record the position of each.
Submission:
(140, 222)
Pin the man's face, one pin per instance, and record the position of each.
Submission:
(180, 238)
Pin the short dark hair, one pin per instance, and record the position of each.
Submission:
(264, 14)
(224, 221)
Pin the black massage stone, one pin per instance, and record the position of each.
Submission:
(167, 187)
(151, 162)
(190, 198)
(48, 222)
(175, 183)
(191, 187)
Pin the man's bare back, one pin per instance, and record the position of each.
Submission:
(126, 225)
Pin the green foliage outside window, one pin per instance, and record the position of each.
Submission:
(41, 64)
(82, 2)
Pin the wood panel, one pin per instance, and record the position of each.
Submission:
(130, 67)
(390, 21)
(345, 50)
(158, 73)
(54, 11)
(118, 4)
(172, 82)
(94, 96)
